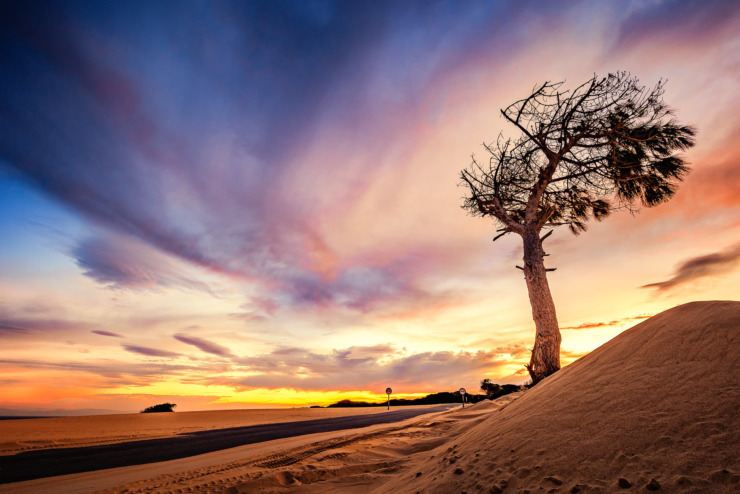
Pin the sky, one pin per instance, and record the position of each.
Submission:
(251, 204)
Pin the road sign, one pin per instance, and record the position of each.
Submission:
(462, 395)
(388, 391)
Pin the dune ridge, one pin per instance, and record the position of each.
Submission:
(657, 407)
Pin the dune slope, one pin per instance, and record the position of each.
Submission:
(656, 408)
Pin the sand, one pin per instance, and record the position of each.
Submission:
(658, 405)
(656, 408)
(31, 434)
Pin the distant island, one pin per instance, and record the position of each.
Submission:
(162, 407)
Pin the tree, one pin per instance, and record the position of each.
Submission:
(489, 387)
(609, 144)
(162, 407)
(494, 390)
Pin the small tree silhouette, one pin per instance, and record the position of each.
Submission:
(607, 145)
(494, 390)
(489, 388)
(162, 407)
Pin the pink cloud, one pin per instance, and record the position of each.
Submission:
(714, 264)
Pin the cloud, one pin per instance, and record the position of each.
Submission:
(204, 345)
(354, 368)
(10, 325)
(189, 163)
(714, 264)
(616, 322)
(107, 333)
(369, 368)
(149, 352)
(118, 373)
(682, 21)
(120, 262)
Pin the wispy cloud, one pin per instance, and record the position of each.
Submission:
(204, 345)
(10, 325)
(114, 372)
(120, 262)
(714, 264)
(215, 185)
(697, 21)
(616, 322)
(107, 333)
(367, 368)
(357, 368)
(149, 352)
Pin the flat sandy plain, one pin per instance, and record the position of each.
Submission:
(20, 435)
(655, 409)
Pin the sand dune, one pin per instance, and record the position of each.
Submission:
(656, 408)
(659, 405)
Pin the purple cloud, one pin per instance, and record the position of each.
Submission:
(10, 325)
(119, 262)
(369, 368)
(107, 333)
(149, 352)
(206, 151)
(120, 373)
(692, 269)
(194, 162)
(204, 345)
(684, 20)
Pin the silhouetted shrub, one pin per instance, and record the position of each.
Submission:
(494, 390)
(162, 407)
(432, 399)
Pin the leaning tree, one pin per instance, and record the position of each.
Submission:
(609, 144)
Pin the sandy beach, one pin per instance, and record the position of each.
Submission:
(65, 432)
(373, 450)
(654, 409)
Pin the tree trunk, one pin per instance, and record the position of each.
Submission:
(546, 353)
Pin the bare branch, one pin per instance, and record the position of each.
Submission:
(607, 145)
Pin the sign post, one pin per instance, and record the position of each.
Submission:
(462, 395)
(388, 391)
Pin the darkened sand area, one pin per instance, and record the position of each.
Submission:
(63, 432)
(63, 461)
(656, 408)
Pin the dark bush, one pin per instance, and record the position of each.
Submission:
(432, 399)
(162, 407)
(494, 390)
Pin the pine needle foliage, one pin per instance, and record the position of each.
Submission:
(609, 144)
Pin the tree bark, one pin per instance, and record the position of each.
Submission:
(546, 353)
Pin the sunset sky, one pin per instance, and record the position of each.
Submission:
(238, 204)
